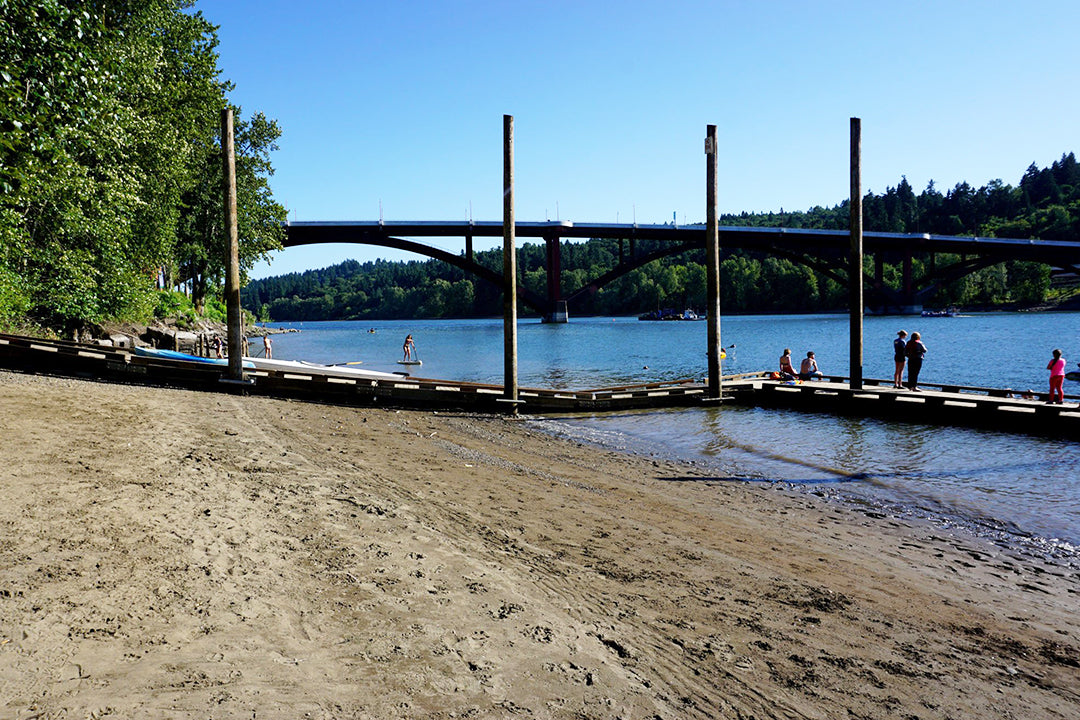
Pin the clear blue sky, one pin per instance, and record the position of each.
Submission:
(399, 104)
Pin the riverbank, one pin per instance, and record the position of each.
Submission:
(189, 555)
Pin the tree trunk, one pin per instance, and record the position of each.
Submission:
(198, 291)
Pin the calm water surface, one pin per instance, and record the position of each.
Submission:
(1013, 486)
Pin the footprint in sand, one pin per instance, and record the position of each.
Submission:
(744, 663)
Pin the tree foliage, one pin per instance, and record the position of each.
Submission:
(202, 235)
(107, 114)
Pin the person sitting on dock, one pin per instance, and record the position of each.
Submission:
(809, 369)
(787, 372)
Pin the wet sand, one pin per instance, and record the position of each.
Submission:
(171, 554)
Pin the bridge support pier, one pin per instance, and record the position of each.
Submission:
(556, 312)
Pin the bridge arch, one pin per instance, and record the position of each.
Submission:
(824, 251)
(528, 297)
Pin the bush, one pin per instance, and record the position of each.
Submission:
(14, 302)
(176, 306)
(214, 310)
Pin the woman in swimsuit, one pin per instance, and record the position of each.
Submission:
(899, 358)
(787, 372)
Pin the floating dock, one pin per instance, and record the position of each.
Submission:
(989, 408)
(56, 357)
(935, 404)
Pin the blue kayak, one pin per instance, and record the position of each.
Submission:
(175, 355)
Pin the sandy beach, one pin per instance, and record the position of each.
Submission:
(172, 554)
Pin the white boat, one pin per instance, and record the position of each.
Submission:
(303, 367)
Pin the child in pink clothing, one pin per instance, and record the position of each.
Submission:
(1057, 377)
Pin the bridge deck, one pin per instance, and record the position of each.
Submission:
(989, 408)
(380, 233)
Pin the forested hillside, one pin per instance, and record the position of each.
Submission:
(1045, 204)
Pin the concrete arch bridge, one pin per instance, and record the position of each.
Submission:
(825, 251)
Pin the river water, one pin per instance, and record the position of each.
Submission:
(1018, 488)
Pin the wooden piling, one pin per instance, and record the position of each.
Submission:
(712, 266)
(855, 262)
(232, 273)
(510, 363)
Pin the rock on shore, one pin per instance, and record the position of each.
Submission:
(167, 334)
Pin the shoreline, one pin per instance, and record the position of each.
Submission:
(182, 554)
(1070, 304)
(1002, 531)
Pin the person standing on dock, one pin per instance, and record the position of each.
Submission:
(899, 357)
(408, 347)
(1056, 367)
(915, 351)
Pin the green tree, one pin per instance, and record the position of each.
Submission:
(202, 236)
(100, 103)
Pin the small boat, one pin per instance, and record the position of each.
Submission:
(671, 314)
(940, 313)
(185, 357)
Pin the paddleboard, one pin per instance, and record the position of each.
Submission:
(310, 368)
(410, 362)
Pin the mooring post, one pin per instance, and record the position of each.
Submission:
(712, 265)
(855, 262)
(510, 364)
(232, 273)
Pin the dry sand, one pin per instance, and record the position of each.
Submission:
(170, 554)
